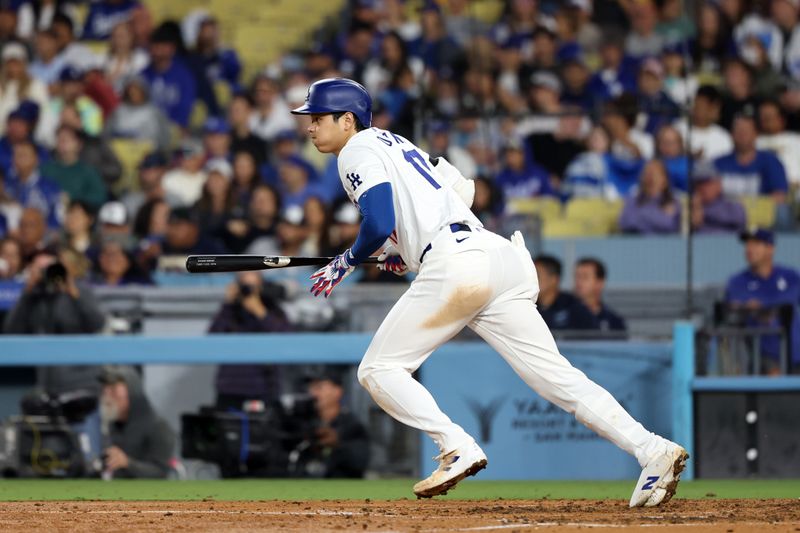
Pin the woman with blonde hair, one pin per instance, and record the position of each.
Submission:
(16, 83)
(124, 59)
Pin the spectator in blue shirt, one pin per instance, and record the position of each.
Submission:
(762, 287)
(654, 209)
(748, 171)
(294, 182)
(19, 128)
(589, 175)
(576, 84)
(172, 83)
(590, 282)
(653, 101)
(29, 188)
(559, 309)
(104, 15)
(435, 47)
(669, 148)
(48, 63)
(218, 63)
(520, 177)
(616, 74)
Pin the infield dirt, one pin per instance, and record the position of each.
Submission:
(696, 516)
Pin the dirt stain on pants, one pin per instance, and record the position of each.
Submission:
(465, 302)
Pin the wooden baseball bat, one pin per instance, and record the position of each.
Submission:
(203, 264)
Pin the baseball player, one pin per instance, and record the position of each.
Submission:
(418, 210)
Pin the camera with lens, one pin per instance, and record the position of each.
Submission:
(266, 440)
(53, 279)
(42, 441)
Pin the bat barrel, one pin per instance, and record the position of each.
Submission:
(223, 263)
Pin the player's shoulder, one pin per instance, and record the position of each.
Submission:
(788, 272)
(361, 145)
(739, 279)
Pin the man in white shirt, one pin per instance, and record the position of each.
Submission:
(707, 139)
(774, 137)
(271, 114)
(186, 181)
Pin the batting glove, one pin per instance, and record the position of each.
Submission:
(390, 261)
(329, 276)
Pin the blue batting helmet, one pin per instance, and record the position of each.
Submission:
(337, 95)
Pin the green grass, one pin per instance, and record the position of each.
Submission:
(273, 489)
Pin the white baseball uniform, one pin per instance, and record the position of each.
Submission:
(467, 276)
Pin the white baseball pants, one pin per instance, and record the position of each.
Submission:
(487, 283)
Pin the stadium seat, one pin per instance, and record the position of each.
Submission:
(567, 227)
(598, 211)
(129, 152)
(546, 207)
(760, 210)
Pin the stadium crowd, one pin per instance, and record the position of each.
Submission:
(631, 101)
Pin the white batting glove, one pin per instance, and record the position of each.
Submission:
(390, 261)
(517, 239)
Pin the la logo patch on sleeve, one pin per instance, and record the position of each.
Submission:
(355, 180)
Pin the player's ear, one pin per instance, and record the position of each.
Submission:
(350, 120)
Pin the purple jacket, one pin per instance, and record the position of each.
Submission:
(722, 216)
(649, 217)
(258, 382)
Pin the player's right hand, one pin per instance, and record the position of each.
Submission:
(329, 276)
(390, 261)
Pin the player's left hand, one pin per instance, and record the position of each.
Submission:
(329, 276)
(390, 261)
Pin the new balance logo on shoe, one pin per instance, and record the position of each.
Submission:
(650, 481)
(452, 462)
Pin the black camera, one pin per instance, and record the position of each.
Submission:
(53, 279)
(266, 443)
(41, 442)
(245, 289)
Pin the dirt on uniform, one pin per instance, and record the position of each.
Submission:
(696, 516)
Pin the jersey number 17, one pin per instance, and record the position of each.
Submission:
(419, 163)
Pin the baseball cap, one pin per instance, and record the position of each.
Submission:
(191, 148)
(216, 125)
(438, 126)
(182, 214)
(430, 5)
(758, 234)
(70, 73)
(15, 51)
(154, 160)
(546, 80)
(27, 111)
(653, 66)
(113, 213)
(704, 171)
(221, 166)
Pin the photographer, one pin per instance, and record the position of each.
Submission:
(341, 448)
(251, 306)
(53, 303)
(141, 443)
